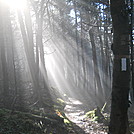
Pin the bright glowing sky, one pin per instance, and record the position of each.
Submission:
(16, 4)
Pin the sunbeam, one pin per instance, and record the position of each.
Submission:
(16, 4)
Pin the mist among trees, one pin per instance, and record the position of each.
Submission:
(68, 51)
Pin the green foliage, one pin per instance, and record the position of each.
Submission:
(92, 115)
(61, 102)
(25, 123)
(59, 105)
(66, 121)
(3, 112)
(17, 124)
(131, 124)
(97, 115)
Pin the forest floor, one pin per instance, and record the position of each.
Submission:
(75, 112)
(71, 117)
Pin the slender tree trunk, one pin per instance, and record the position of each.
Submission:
(30, 58)
(107, 85)
(3, 14)
(77, 44)
(83, 57)
(100, 96)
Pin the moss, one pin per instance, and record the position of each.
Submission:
(22, 123)
(66, 121)
(92, 115)
(97, 115)
(61, 102)
(131, 124)
(3, 112)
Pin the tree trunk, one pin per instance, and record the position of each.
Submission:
(3, 14)
(100, 100)
(30, 58)
(121, 69)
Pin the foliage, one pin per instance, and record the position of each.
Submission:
(97, 115)
(25, 123)
(92, 115)
(61, 102)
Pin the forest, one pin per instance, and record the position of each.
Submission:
(66, 67)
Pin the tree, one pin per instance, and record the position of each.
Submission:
(100, 101)
(121, 69)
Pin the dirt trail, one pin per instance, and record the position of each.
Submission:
(75, 112)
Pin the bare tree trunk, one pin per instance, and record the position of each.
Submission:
(30, 58)
(77, 45)
(99, 89)
(3, 13)
(42, 77)
(121, 69)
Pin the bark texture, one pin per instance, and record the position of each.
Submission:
(121, 76)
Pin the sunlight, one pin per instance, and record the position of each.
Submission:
(16, 4)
